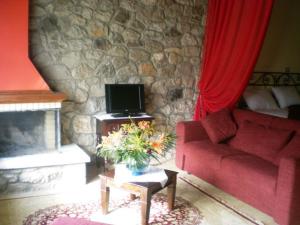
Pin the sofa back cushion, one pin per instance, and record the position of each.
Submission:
(286, 124)
(240, 115)
(260, 140)
(219, 126)
(292, 149)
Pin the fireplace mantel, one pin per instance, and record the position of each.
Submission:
(8, 97)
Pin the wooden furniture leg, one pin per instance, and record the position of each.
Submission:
(132, 196)
(104, 196)
(171, 191)
(145, 205)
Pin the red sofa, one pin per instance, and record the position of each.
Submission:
(268, 178)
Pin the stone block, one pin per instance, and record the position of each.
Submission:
(139, 55)
(188, 40)
(147, 69)
(105, 5)
(44, 173)
(122, 16)
(82, 124)
(97, 29)
(131, 36)
(119, 51)
(57, 72)
(128, 70)
(102, 44)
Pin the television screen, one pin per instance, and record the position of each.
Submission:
(124, 98)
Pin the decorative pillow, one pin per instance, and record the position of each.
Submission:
(286, 96)
(292, 149)
(219, 126)
(259, 99)
(259, 140)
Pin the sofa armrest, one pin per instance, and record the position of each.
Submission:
(190, 131)
(187, 131)
(287, 203)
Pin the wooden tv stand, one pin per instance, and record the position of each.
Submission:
(106, 123)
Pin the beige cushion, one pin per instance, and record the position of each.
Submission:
(259, 99)
(286, 96)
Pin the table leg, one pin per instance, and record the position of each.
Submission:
(104, 196)
(171, 191)
(145, 205)
(132, 197)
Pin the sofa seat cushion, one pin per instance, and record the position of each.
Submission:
(251, 178)
(203, 158)
(206, 153)
(260, 140)
(219, 126)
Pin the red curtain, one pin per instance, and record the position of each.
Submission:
(234, 34)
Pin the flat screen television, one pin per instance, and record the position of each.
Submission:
(124, 99)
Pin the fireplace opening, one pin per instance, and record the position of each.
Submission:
(28, 132)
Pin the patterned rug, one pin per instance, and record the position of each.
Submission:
(183, 214)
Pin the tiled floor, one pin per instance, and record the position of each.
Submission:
(13, 212)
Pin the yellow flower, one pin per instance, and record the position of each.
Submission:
(144, 125)
(105, 140)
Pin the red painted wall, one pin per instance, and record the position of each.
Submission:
(16, 70)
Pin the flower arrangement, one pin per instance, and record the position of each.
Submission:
(134, 144)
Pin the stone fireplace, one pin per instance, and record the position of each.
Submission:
(32, 160)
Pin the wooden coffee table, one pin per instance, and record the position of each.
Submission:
(144, 189)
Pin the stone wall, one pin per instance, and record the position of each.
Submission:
(79, 45)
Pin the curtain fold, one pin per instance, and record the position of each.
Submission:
(235, 30)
